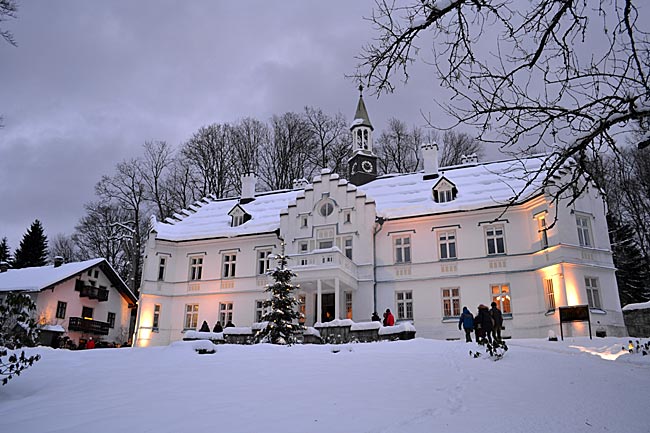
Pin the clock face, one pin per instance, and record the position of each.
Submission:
(366, 166)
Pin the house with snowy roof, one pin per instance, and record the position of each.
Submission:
(80, 300)
(421, 244)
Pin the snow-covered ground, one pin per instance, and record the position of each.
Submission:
(578, 385)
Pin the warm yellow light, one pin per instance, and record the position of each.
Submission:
(144, 337)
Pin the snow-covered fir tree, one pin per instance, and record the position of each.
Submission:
(5, 254)
(281, 310)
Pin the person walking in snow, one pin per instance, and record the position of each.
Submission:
(497, 317)
(467, 322)
(90, 344)
(483, 324)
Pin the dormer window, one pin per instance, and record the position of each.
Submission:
(444, 191)
(239, 216)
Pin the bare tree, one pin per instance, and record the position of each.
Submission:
(248, 137)
(65, 246)
(398, 148)
(456, 144)
(181, 184)
(157, 159)
(8, 9)
(331, 137)
(209, 151)
(286, 157)
(559, 75)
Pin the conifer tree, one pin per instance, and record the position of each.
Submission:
(5, 254)
(281, 310)
(632, 276)
(18, 329)
(33, 248)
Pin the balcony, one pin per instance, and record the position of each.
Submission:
(320, 263)
(91, 292)
(88, 326)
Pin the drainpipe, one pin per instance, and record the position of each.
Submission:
(378, 226)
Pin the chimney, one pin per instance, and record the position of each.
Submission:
(469, 159)
(430, 160)
(58, 261)
(248, 187)
(300, 183)
(4, 266)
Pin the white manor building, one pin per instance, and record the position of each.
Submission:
(422, 244)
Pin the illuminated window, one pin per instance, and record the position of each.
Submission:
(196, 268)
(402, 246)
(494, 237)
(225, 312)
(191, 316)
(111, 320)
(60, 309)
(263, 261)
(451, 302)
(447, 244)
(501, 295)
(156, 316)
(593, 293)
(161, 268)
(404, 300)
(549, 294)
(229, 265)
(302, 308)
(584, 231)
(348, 305)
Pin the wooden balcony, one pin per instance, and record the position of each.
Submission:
(91, 292)
(88, 326)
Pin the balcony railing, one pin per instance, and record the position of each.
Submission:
(88, 326)
(322, 259)
(91, 292)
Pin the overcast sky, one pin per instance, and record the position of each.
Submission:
(90, 82)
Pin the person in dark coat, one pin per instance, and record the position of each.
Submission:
(390, 319)
(375, 317)
(497, 317)
(217, 327)
(483, 324)
(467, 322)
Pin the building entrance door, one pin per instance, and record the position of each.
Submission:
(327, 308)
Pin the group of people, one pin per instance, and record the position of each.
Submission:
(487, 324)
(389, 319)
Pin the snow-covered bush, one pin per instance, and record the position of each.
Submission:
(17, 329)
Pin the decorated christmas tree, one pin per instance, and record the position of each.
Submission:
(281, 310)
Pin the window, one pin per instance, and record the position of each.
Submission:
(161, 268)
(495, 240)
(447, 244)
(60, 309)
(111, 320)
(225, 312)
(237, 220)
(303, 221)
(87, 312)
(96, 273)
(156, 317)
(326, 209)
(549, 294)
(196, 268)
(191, 316)
(263, 261)
(584, 231)
(302, 308)
(444, 195)
(325, 244)
(402, 249)
(325, 238)
(347, 247)
(229, 265)
(259, 310)
(404, 305)
(451, 302)
(347, 217)
(303, 247)
(542, 230)
(501, 295)
(348, 305)
(593, 295)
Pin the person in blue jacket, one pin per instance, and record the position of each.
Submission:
(467, 322)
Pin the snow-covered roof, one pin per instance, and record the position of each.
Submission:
(38, 278)
(212, 220)
(396, 196)
(479, 186)
(638, 306)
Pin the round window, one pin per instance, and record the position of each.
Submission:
(326, 209)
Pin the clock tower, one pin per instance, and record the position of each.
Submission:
(362, 165)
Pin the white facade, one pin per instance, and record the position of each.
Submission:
(101, 309)
(422, 244)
